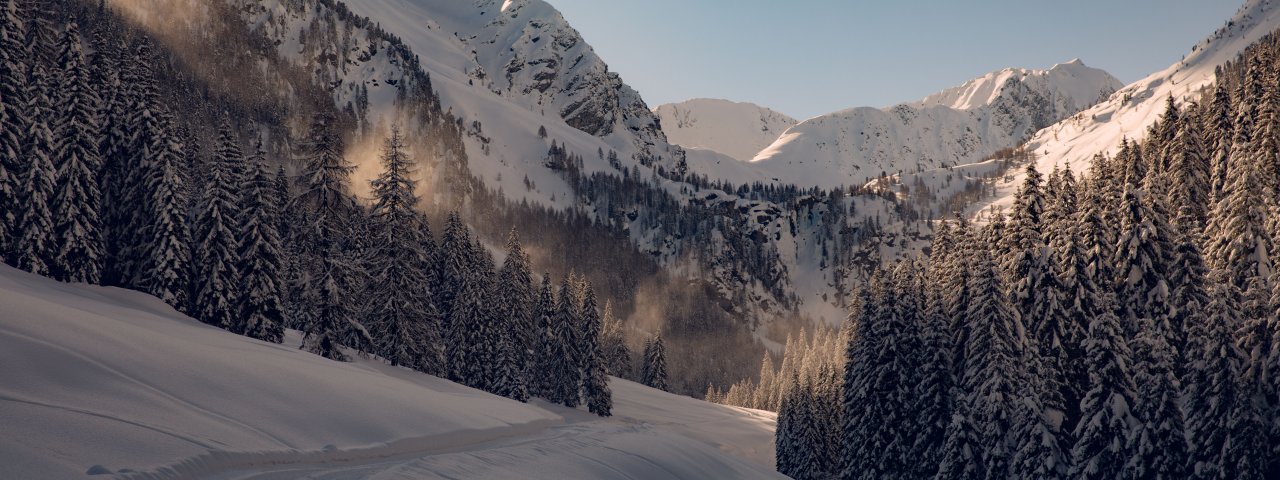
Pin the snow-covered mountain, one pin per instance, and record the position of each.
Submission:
(737, 129)
(1133, 109)
(104, 381)
(512, 68)
(957, 126)
(509, 71)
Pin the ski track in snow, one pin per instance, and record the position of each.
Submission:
(114, 382)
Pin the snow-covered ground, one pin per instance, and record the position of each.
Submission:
(103, 380)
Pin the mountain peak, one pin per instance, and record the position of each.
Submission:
(736, 129)
(1072, 84)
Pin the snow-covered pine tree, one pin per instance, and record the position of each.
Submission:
(1219, 405)
(218, 230)
(1238, 243)
(509, 381)
(35, 246)
(467, 319)
(613, 344)
(322, 188)
(37, 19)
(1141, 261)
(1189, 297)
(768, 383)
(1267, 143)
(595, 382)
(904, 355)
(655, 364)
(785, 442)
(872, 397)
(433, 359)
(13, 122)
(542, 383)
(953, 278)
(1219, 136)
(933, 389)
(259, 307)
(1038, 300)
(167, 267)
(1158, 443)
(488, 338)
(1161, 138)
(515, 300)
(565, 377)
(453, 265)
(76, 201)
(991, 384)
(1189, 176)
(1101, 447)
(808, 445)
(402, 318)
(831, 420)
(132, 163)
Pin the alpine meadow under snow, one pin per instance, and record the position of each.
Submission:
(442, 239)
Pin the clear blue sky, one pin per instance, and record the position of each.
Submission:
(808, 57)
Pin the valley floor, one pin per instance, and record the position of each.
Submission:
(105, 381)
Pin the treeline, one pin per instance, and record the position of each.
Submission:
(113, 198)
(1122, 326)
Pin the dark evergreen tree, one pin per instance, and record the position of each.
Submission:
(515, 303)
(990, 384)
(598, 396)
(613, 344)
(1101, 447)
(35, 248)
(467, 320)
(167, 265)
(13, 120)
(1189, 298)
(1189, 176)
(402, 317)
(453, 260)
(565, 378)
(1219, 134)
(786, 447)
(883, 368)
(933, 390)
(1221, 419)
(542, 384)
(218, 230)
(76, 200)
(655, 365)
(260, 312)
(1159, 442)
(322, 188)
(135, 126)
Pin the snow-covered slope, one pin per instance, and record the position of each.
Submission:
(737, 129)
(1134, 108)
(954, 127)
(102, 380)
(513, 67)
(1069, 87)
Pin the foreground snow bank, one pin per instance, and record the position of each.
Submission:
(102, 380)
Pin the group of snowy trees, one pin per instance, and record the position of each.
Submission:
(1122, 326)
(100, 182)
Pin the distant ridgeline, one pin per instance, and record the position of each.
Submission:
(1119, 326)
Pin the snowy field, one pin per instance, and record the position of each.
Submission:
(105, 381)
